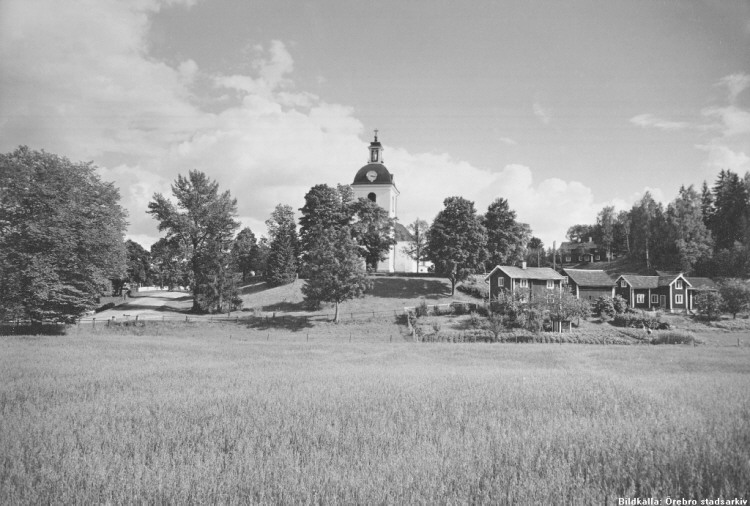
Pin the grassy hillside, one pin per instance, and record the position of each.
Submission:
(387, 294)
(211, 419)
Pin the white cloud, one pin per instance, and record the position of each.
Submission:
(80, 82)
(542, 113)
(651, 121)
(735, 84)
(732, 119)
(508, 141)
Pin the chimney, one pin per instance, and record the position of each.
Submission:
(523, 265)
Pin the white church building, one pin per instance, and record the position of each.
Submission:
(374, 182)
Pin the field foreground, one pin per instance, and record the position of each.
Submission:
(212, 419)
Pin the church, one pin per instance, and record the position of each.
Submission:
(375, 182)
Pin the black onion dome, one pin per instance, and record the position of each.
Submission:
(383, 176)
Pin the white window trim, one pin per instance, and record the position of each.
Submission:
(500, 281)
(550, 284)
(567, 258)
(523, 283)
(678, 299)
(678, 284)
(640, 298)
(654, 298)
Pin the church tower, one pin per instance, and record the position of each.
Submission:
(374, 182)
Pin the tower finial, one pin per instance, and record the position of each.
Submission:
(376, 135)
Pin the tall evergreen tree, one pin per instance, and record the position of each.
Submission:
(61, 236)
(281, 264)
(731, 214)
(204, 222)
(456, 242)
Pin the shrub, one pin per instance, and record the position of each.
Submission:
(620, 304)
(673, 337)
(637, 320)
(604, 307)
(474, 320)
(709, 304)
(422, 309)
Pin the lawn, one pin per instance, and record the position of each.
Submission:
(204, 415)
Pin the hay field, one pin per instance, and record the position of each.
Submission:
(192, 418)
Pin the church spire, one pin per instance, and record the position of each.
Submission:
(376, 150)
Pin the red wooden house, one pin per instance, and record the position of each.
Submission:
(536, 281)
(589, 284)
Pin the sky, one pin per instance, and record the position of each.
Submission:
(561, 108)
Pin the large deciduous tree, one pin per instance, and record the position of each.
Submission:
(169, 263)
(335, 272)
(203, 221)
(61, 236)
(506, 238)
(372, 230)
(138, 263)
(456, 241)
(325, 207)
(283, 250)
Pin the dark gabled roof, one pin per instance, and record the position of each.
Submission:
(527, 273)
(702, 283)
(573, 246)
(636, 281)
(668, 279)
(586, 277)
(402, 233)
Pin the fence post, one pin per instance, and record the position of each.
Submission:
(93, 322)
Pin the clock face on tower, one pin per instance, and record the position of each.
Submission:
(372, 175)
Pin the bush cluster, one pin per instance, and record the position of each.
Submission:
(640, 320)
(608, 307)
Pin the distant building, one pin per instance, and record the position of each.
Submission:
(373, 181)
(581, 252)
(671, 292)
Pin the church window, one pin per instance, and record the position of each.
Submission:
(372, 197)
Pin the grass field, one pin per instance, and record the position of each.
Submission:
(198, 416)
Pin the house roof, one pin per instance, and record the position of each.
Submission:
(527, 273)
(586, 277)
(702, 283)
(636, 281)
(402, 233)
(573, 246)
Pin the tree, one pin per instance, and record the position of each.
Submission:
(456, 241)
(169, 263)
(646, 218)
(61, 236)
(506, 238)
(605, 224)
(335, 269)
(563, 306)
(624, 225)
(731, 213)
(325, 207)
(283, 250)
(138, 263)
(203, 221)
(536, 248)
(580, 233)
(245, 253)
(372, 229)
(416, 248)
(708, 304)
(736, 296)
(690, 238)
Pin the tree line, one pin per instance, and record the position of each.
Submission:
(703, 233)
(62, 239)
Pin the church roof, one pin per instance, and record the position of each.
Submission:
(382, 176)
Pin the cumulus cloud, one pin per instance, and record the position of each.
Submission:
(80, 82)
(735, 84)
